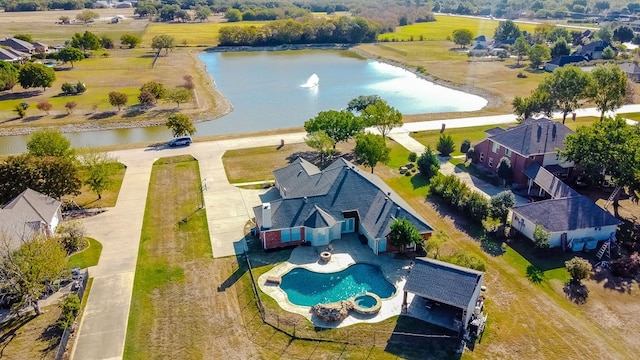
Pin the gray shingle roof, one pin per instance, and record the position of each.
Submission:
(338, 188)
(566, 214)
(20, 217)
(443, 282)
(17, 44)
(534, 136)
(549, 183)
(319, 219)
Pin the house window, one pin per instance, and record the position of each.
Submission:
(507, 152)
(490, 162)
(495, 147)
(481, 157)
(295, 234)
(285, 235)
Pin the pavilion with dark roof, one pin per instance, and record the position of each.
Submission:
(318, 206)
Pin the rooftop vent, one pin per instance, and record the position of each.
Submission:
(539, 134)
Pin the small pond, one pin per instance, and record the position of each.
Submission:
(307, 288)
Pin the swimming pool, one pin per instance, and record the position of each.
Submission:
(307, 288)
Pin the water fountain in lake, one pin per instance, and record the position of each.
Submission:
(311, 82)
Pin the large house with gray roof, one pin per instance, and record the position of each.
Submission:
(28, 214)
(318, 206)
(535, 141)
(451, 293)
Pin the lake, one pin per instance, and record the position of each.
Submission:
(269, 90)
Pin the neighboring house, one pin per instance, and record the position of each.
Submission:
(563, 60)
(19, 45)
(535, 141)
(481, 40)
(479, 50)
(594, 49)
(124, 5)
(317, 207)
(27, 214)
(632, 70)
(41, 48)
(574, 222)
(10, 55)
(451, 293)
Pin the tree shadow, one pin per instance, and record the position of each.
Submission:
(10, 329)
(32, 118)
(50, 333)
(576, 292)
(492, 246)
(61, 116)
(101, 115)
(534, 274)
(235, 276)
(20, 95)
(10, 120)
(543, 259)
(604, 277)
(418, 181)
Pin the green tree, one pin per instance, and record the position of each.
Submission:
(202, 13)
(403, 233)
(100, 171)
(165, 42)
(67, 88)
(623, 33)
(361, 102)
(434, 243)
(180, 125)
(520, 48)
(566, 86)
(8, 75)
(21, 109)
(106, 42)
(608, 87)
(86, 41)
(504, 170)
(541, 237)
(130, 40)
(560, 48)
(87, 16)
(507, 30)
(118, 99)
(36, 75)
(539, 102)
(27, 270)
(157, 89)
(538, 54)
(428, 163)
(179, 95)
(382, 116)
(462, 37)
(70, 307)
(320, 141)
(608, 53)
(500, 204)
(49, 142)
(445, 145)
(605, 33)
(578, 268)
(70, 54)
(24, 37)
(558, 33)
(371, 149)
(338, 125)
(233, 15)
(463, 258)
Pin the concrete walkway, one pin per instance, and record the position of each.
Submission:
(102, 332)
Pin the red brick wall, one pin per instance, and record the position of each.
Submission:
(271, 239)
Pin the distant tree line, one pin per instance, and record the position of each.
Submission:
(310, 31)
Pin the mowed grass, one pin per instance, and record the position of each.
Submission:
(443, 27)
(30, 336)
(88, 199)
(191, 34)
(88, 257)
(177, 311)
(473, 134)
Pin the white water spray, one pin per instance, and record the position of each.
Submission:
(313, 81)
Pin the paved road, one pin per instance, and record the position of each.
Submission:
(103, 328)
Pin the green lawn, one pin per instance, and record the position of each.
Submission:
(192, 34)
(473, 134)
(88, 257)
(88, 199)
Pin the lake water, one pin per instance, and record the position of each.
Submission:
(269, 90)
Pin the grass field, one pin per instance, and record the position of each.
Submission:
(88, 257)
(88, 199)
(30, 336)
(191, 34)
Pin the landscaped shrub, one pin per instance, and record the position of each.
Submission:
(70, 308)
(71, 236)
(465, 146)
(68, 89)
(578, 268)
(500, 205)
(21, 109)
(413, 157)
(466, 259)
(445, 145)
(428, 163)
(459, 195)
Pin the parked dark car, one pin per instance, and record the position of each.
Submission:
(180, 141)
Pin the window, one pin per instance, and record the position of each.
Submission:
(491, 162)
(495, 147)
(285, 235)
(481, 157)
(507, 152)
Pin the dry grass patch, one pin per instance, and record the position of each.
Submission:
(88, 199)
(30, 336)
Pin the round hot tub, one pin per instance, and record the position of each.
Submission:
(367, 304)
(325, 256)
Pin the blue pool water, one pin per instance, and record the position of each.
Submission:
(366, 301)
(308, 288)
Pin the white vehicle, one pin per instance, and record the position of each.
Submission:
(180, 141)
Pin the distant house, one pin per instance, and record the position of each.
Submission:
(479, 50)
(563, 60)
(450, 293)
(575, 223)
(535, 141)
(19, 45)
(27, 214)
(317, 207)
(124, 5)
(41, 48)
(481, 40)
(632, 70)
(12, 56)
(594, 49)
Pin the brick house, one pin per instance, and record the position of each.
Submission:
(318, 206)
(535, 141)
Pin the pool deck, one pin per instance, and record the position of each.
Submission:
(346, 251)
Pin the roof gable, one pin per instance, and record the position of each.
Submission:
(566, 214)
(548, 182)
(534, 136)
(443, 282)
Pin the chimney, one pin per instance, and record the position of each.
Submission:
(266, 216)
(305, 199)
(539, 134)
(554, 132)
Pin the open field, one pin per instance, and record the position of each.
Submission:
(88, 199)
(526, 319)
(191, 34)
(87, 257)
(30, 336)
